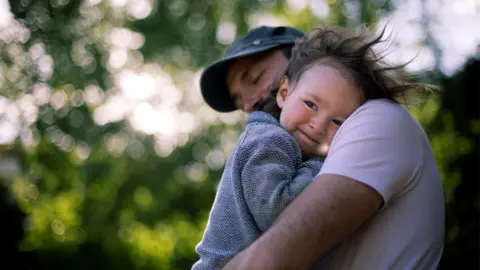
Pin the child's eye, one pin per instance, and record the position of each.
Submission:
(337, 122)
(310, 104)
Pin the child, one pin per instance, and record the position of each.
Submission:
(329, 75)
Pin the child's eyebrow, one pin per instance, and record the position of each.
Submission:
(324, 102)
(312, 96)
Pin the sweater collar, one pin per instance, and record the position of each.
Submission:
(262, 117)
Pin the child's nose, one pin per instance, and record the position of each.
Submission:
(319, 125)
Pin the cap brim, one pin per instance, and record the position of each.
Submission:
(213, 80)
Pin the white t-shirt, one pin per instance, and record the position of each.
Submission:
(383, 146)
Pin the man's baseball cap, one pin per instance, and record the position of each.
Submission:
(213, 79)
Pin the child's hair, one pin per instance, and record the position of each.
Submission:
(354, 53)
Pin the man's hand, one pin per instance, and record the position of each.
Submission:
(323, 215)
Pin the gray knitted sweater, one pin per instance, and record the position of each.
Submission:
(262, 176)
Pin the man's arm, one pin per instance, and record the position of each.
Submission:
(326, 212)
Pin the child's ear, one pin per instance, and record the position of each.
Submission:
(282, 92)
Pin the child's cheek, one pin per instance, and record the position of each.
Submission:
(329, 136)
(285, 122)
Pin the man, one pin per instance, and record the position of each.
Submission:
(250, 66)
(377, 203)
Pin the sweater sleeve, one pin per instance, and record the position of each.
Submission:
(272, 174)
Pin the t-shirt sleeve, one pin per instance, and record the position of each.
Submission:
(378, 145)
(272, 175)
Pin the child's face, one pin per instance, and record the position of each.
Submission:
(315, 106)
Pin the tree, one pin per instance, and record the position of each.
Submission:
(92, 91)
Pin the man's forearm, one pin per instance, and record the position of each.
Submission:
(324, 214)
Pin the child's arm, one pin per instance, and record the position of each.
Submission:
(272, 174)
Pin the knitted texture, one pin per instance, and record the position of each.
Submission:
(262, 176)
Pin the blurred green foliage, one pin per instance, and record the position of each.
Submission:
(100, 194)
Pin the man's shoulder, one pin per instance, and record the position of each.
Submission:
(380, 118)
(382, 107)
(385, 114)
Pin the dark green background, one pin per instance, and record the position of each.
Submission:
(136, 209)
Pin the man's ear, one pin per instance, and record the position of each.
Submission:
(282, 92)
